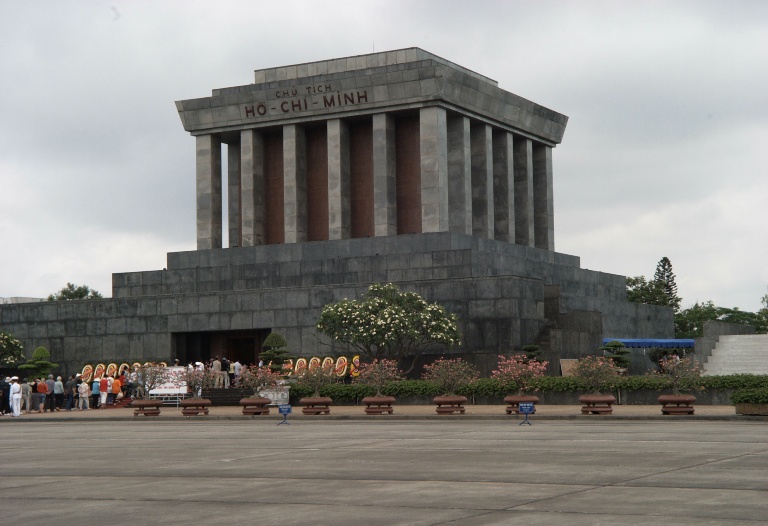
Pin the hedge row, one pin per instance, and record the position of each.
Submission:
(489, 387)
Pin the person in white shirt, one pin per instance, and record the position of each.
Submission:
(15, 396)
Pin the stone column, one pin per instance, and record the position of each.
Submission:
(543, 200)
(234, 206)
(384, 198)
(252, 188)
(208, 186)
(523, 163)
(503, 187)
(459, 175)
(433, 136)
(295, 183)
(339, 208)
(481, 138)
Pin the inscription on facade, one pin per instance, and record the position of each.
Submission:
(304, 98)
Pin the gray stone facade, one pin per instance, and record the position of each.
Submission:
(481, 186)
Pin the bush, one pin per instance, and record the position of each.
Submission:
(750, 396)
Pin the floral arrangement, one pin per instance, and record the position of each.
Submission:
(450, 375)
(680, 373)
(596, 372)
(520, 370)
(378, 373)
(317, 378)
(258, 378)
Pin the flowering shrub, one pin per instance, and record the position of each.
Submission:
(258, 378)
(152, 376)
(316, 379)
(680, 373)
(378, 374)
(596, 373)
(388, 323)
(450, 375)
(11, 350)
(518, 369)
(199, 379)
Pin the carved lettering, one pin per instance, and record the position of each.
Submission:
(300, 104)
(249, 111)
(329, 102)
(363, 97)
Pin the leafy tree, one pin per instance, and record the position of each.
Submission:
(596, 373)
(641, 291)
(450, 374)
(519, 370)
(617, 351)
(75, 292)
(378, 374)
(689, 323)
(388, 323)
(11, 350)
(665, 278)
(532, 353)
(275, 352)
(40, 363)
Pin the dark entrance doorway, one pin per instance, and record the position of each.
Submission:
(242, 346)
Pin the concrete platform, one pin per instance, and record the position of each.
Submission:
(475, 470)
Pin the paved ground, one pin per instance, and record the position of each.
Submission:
(103, 466)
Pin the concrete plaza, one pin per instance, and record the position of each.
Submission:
(319, 471)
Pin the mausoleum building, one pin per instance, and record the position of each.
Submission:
(394, 167)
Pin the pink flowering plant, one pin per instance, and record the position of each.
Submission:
(680, 373)
(199, 379)
(450, 374)
(258, 378)
(316, 379)
(596, 373)
(520, 371)
(378, 374)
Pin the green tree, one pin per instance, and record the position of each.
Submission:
(665, 278)
(40, 363)
(387, 323)
(661, 290)
(641, 291)
(11, 350)
(689, 323)
(617, 351)
(275, 352)
(75, 292)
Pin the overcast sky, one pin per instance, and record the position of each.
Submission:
(665, 153)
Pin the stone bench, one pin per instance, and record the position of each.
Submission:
(379, 405)
(195, 406)
(319, 405)
(146, 407)
(255, 406)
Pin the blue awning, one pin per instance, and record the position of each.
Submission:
(647, 343)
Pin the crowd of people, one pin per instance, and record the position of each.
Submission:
(38, 395)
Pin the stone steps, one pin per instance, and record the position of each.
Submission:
(738, 354)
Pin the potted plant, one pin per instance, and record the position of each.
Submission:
(618, 352)
(257, 379)
(315, 379)
(751, 401)
(519, 370)
(150, 376)
(679, 373)
(596, 373)
(197, 380)
(378, 374)
(450, 375)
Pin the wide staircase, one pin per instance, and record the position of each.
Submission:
(742, 354)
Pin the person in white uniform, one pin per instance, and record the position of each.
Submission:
(15, 396)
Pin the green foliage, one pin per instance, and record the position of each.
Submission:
(378, 374)
(388, 323)
(491, 388)
(665, 278)
(317, 379)
(661, 290)
(750, 396)
(617, 351)
(689, 323)
(680, 373)
(257, 378)
(641, 291)
(75, 292)
(531, 352)
(450, 374)
(275, 352)
(40, 363)
(11, 350)
(596, 373)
